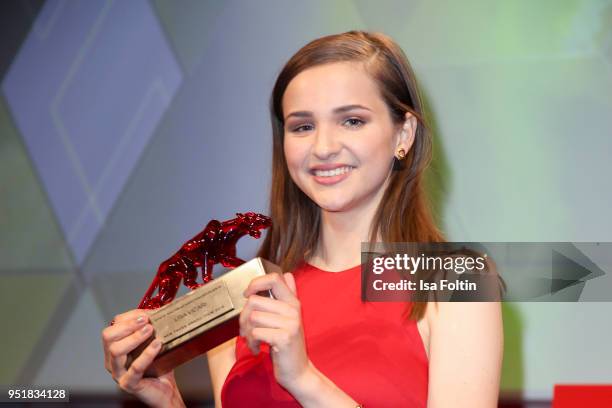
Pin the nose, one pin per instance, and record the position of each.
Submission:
(326, 143)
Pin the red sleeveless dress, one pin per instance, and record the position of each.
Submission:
(371, 350)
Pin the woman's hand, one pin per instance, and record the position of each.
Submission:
(129, 330)
(277, 322)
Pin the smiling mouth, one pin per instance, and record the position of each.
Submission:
(331, 173)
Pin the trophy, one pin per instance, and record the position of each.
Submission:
(207, 315)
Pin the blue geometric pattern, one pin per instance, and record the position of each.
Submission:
(87, 90)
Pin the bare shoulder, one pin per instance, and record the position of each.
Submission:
(220, 362)
(462, 313)
(461, 324)
(466, 348)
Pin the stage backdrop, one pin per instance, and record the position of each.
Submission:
(126, 126)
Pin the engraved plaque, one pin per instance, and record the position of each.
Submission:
(202, 319)
(191, 311)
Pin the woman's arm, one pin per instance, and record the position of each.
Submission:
(316, 390)
(220, 362)
(278, 322)
(465, 348)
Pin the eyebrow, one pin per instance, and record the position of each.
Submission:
(341, 109)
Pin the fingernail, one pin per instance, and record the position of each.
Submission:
(140, 319)
(146, 329)
(156, 343)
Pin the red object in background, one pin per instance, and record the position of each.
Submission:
(215, 244)
(582, 396)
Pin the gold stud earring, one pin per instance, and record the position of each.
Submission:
(401, 154)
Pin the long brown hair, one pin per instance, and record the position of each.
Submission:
(403, 214)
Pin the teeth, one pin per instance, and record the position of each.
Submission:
(334, 172)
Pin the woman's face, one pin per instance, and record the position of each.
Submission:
(339, 137)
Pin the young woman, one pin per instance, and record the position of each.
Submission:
(349, 150)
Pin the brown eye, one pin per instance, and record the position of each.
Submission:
(302, 128)
(354, 122)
